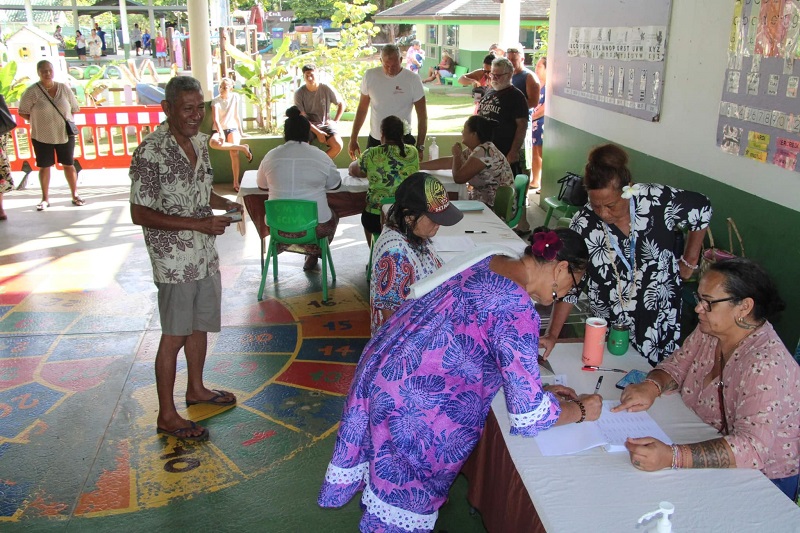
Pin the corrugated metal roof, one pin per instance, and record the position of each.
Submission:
(475, 9)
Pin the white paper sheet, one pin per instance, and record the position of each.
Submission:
(609, 431)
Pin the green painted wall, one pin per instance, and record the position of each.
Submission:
(770, 231)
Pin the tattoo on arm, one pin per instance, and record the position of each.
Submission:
(712, 454)
(671, 385)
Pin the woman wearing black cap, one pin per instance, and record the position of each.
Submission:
(404, 254)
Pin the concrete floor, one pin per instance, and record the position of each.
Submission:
(78, 335)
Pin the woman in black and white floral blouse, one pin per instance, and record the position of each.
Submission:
(634, 276)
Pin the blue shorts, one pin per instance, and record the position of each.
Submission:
(161, 54)
(538, 132)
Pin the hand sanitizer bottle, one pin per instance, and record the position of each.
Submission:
(663, 525)
(433, 149)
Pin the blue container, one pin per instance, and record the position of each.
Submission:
(277, 33)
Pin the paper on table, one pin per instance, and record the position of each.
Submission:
(609, 431)
(452, 243)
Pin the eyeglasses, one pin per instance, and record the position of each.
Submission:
(708, 303)
(577, 286)
(498, 76)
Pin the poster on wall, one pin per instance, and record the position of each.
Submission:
(614, 59)
(759, 113)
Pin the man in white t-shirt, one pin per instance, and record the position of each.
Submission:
(314, 101)
(389, 90)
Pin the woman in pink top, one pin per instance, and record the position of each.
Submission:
(735, 373)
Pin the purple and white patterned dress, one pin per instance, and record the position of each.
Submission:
(421, 394)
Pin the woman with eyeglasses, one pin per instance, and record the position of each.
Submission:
(636, 273)
(480, 79)
(735, 373)
(424, 384)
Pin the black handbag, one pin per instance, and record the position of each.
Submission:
(71, 128)
(7, 122)
(572, 191)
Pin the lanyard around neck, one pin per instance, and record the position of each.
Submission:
(615, 242)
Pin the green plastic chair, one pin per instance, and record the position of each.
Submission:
(457, 73)
(554, 204)
(504, 202)
(294, 216)
(521, 189)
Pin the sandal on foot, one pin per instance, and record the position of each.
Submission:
(248, 153)
(182, 433)
(78, 201)
(41, 206)
(217, 399)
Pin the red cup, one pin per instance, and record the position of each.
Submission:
(594, 341)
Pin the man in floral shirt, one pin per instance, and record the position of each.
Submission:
(172, 199)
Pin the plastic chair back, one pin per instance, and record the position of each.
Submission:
(292, 216)
(504, 202)
(521, 188)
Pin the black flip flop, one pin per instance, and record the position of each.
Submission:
(178, 433)
(213, 400)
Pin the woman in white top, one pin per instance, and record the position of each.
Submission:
(478, 162)
(298, 171)
(95, 45)
(80, 45)
(227, 129)
(48, 105)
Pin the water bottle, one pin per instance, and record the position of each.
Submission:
(433, 150)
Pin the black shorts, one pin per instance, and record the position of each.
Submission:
(225, 133)
(371, 222)
(45, 153)
(138, 44)
(407, 139)
(327, 129)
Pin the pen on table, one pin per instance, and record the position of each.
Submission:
(599, 382)
(592, 368)
(473, 231)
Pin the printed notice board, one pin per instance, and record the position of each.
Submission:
(759, 114)
(612, 54)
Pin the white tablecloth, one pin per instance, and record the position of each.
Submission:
(351, 184)
(600, 491)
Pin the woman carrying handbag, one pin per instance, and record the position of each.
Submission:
(49, 106)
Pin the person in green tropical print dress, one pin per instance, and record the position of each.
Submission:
(385, 167)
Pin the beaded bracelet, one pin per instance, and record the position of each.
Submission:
(654, 382)
(583, 411)
(689, 265)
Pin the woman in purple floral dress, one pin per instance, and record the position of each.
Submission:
(425, 382)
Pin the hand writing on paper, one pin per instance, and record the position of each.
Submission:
(649, 454)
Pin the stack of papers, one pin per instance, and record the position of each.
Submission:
(609, 431)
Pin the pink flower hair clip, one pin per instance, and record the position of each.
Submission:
(546, 244)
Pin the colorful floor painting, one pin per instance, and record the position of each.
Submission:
(78, 446)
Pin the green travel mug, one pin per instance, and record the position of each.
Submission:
(618, 339)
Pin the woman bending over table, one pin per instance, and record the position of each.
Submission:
(425, 383)
(478, 162)
(735, 373)
(385, 167)
(298, 171)
(404, 253)
(635, 277)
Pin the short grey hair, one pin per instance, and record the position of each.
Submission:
(414, 42)
(390, 49)
(503, 63)
(180, 84)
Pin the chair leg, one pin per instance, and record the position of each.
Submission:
(263, 250)
(547, 218)
(274, 251)
(264, 272)
(324, 251)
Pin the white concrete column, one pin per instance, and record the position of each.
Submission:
(123, 20)
(151, 19)
(29, 12)
(509, 22)
(200, 44)
(75, 19)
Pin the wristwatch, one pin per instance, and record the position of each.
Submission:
(421, 147)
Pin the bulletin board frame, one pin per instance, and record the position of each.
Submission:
(614, 59)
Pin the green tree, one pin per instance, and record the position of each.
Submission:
(311, 9)
(346, 62)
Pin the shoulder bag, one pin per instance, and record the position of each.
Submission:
(7, 122)
(713, 254)
(572, 191)
(72, 129)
